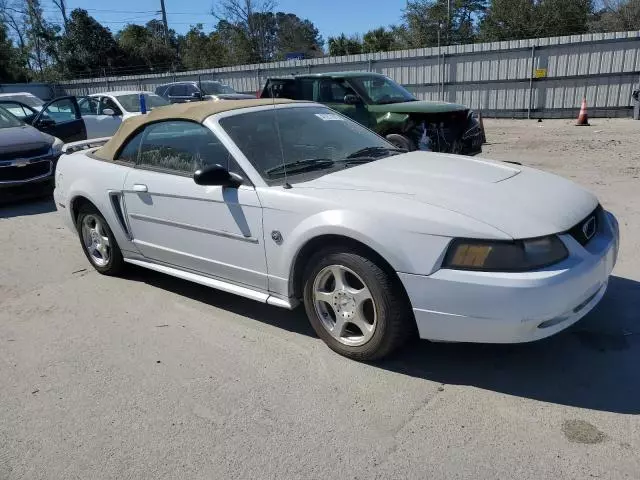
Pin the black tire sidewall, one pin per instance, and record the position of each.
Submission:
(401, 141)
(381, 288)
(115, 262)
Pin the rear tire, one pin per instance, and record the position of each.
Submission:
(97, 241)
(401, 141)
(354, 306)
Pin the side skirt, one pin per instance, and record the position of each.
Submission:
(246, 292)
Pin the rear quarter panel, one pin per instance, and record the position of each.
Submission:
(80, 175)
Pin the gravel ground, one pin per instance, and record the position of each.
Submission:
(148, 377)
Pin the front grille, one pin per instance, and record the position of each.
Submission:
(588, 227)
(34, 152)
(25, 173)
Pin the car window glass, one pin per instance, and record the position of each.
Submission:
(330, 91)
(280, 89)
(178, 91)
(181, 147)
(88, 106)
(214, 88)
(106, 102)
(7, 120)
(62, 110)
(305, 89)
(381, 90)
(16, 109)
(131, 149)
(131, 102)
(305, 133)
(191, 89)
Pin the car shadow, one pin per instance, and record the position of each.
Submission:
(595, 364)
(19, 208)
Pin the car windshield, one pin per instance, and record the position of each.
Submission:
(308, 141)
(131, 102)
(381, 90)
(29, 100)
(8, 121)
(215, 88)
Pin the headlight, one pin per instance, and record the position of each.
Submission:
(56, 148)
(499, 256)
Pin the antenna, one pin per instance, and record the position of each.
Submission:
(286, 185)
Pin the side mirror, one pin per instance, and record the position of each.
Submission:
(108, 111)
(217, 175)
(351, 99)
(196, 95)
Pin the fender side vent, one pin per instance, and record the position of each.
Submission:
(116, 202)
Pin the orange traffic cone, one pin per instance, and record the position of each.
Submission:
(583, 118)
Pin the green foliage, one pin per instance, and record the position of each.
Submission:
(146, 49)
(87, 46)
(517, 19)
(343, 45)
(200, 50)
(11, 61)
(378, 40)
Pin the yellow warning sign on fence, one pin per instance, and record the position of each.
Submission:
(541, 72)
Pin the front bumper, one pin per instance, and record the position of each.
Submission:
(489, 307)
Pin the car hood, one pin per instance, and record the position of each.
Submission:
(418, 107)
(519, 201)
(24, 138)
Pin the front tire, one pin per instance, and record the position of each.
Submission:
(354, 306)
(97, 241)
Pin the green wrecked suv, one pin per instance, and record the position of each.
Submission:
(389, 109)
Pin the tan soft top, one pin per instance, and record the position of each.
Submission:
(194, 111)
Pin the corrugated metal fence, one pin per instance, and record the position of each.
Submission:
(544, 77)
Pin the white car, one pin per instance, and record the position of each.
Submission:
(104, 112)
(280, 201)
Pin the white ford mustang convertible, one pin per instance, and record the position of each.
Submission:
(281, 201)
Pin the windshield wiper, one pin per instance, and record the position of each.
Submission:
(377, 151)
(298, 166)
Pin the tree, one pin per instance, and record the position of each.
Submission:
(517, 19)
(146, 49)
(295, 35)
(423, 19)
(563, 17)
(61, 5)
(508, 20)
(378, 40)
(14, 21)
(343, 45)
(87, 46)
(254, 28)
(11, 63)
(199, 50)
(41, 37)
(616, 16)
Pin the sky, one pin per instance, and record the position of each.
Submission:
(331, 17)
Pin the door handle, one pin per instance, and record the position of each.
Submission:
(139, 187)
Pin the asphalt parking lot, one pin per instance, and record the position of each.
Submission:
(150, 377)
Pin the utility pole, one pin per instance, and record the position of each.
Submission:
(164, 22)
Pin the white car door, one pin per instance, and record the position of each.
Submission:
(98, 125)
(207, 229)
